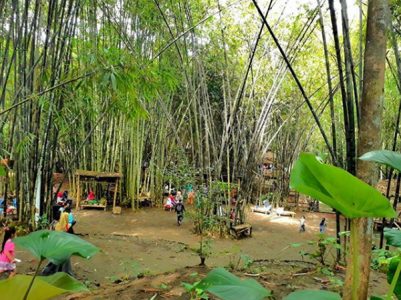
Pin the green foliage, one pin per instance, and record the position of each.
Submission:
(179, 171)
(394, 262)
(43, 222)
(2, 171)
(393, 237)
(55, 246)
(381, 259)
(204, 217)
(227, 286)
(313, 295)
(196, 293)
(205, 248)
(338, 189)
(385, 157)
(238, 260)
(323, 246)
(45, 287)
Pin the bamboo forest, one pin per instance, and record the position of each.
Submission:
(200, 149)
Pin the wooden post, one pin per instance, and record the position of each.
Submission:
(115, 193)
(78, 198)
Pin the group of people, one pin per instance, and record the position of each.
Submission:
(175, 201)
(322, 225)
(64, 219)
(65, 223)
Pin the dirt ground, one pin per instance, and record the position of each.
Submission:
(148, 243)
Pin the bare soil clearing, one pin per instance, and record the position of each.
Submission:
(149, 243)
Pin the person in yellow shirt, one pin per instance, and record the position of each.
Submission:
(62, 224)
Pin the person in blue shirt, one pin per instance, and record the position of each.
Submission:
(71, 220)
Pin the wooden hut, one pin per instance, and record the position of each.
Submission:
(84, 176)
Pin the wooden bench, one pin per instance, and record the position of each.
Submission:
(93, 206)
(261, 209)
(282, 212)
(143, 198)
(240, 230)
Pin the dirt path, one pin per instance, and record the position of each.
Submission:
(149, 242)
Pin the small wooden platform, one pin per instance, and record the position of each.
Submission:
(93, 206)
(241, 230)
(261, 209)
(286, 213)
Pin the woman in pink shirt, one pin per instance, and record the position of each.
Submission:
(7, 254)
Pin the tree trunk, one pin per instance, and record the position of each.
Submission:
(357, 276)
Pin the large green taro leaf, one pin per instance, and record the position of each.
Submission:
(44, 287)
(393, 237)
(313, 295)
(227, 286)
(55, 246)
(386, 157)
(338, 189)
(390, 274)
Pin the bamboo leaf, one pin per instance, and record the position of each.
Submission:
(113, 81)
(338, 189)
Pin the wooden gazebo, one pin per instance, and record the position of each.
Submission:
(90, 176)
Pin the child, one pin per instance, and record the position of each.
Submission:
(178, 197)
(62, 224)
(323, 225)
(168, 205)
(71, 220)
(7, 254)
(179, 209)
(302, 224)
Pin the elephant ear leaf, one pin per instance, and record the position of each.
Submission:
(55, 246)
(392, 267)
(227, 286)
(385, 157)
(43, 287)
(313, 295)
(338, 189)
(393, 237)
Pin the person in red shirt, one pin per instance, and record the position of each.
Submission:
(91, 195)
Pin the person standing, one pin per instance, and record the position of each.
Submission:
(179, 209)
(323, 225)
(7, 254)
(302, 224)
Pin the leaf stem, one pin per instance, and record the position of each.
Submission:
(394, 281)
(33, 279)
(355, 258)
